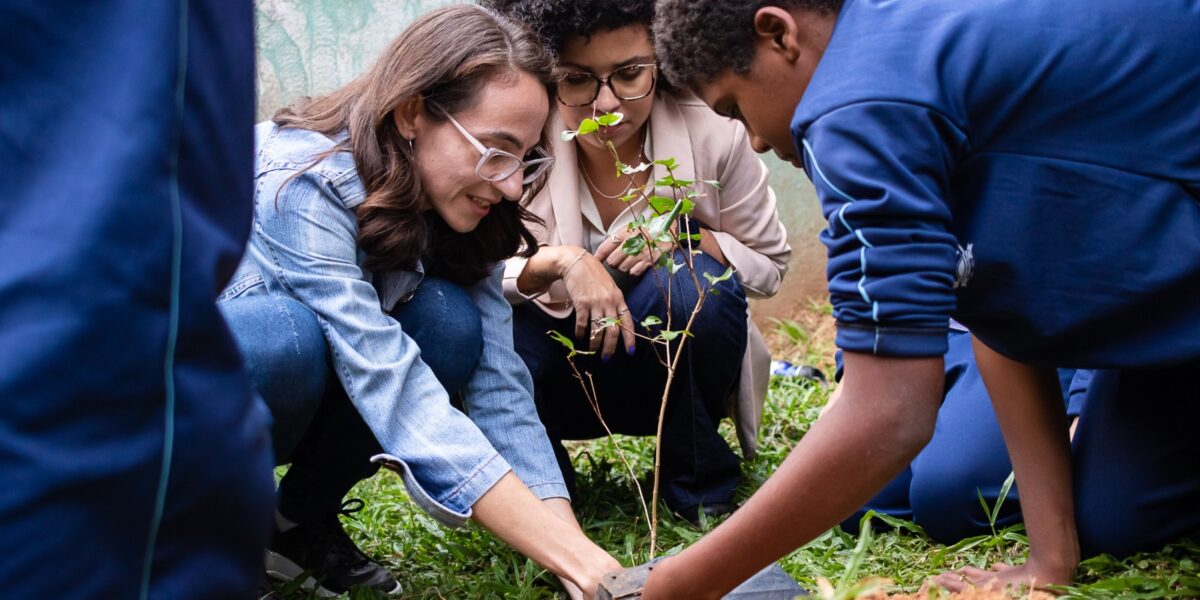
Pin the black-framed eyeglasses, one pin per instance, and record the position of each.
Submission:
(631, 82)
(497, 165)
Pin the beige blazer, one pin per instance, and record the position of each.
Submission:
(741, 215)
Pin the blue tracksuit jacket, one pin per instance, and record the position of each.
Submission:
(1031, 168)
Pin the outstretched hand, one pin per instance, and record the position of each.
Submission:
(1000, 577)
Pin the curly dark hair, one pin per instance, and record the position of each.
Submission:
(556, 20)
(697, 39)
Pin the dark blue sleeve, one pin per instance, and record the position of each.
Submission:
(882, 173)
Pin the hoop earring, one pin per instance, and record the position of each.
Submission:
(411, 150)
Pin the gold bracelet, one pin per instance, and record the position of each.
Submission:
(568, 269)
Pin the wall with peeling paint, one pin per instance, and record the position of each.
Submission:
(309, 47)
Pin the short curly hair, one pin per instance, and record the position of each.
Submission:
(697, 39)
(554, 21)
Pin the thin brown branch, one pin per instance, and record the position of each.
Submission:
(594, 401)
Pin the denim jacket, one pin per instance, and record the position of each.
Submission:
(304, 246)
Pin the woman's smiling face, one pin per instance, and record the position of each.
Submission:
(509, 115)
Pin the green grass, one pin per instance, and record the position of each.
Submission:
(436, 562)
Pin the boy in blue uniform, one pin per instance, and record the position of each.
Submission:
(1030, 168)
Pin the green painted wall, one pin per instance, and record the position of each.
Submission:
(309, 47)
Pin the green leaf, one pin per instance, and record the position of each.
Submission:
(695, 237)
(651, 320)
(568, 135)
(610, 119)
(667, 336)
(671, 181)
(634, 245)
(668, 162)
(688, 207)
(987, 510)
(896, 523)
(715, 280)
(713, 182)
(661, 223)
(562, 339)
(661, 204)
(588, 126)
(566, 341)
(675, 267)
(850, 573)
(1004, 490)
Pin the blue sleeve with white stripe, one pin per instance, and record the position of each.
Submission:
(881, 170)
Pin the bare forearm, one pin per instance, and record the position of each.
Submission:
(884, 418)
(1028, 405)
(562, 508)
(541, 532)
(545, 267)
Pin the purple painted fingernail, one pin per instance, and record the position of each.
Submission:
(630, 349)
(605, 357)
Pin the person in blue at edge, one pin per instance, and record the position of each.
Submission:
(1030, 168)
(371, 293)
(135, 460)
(965, 458)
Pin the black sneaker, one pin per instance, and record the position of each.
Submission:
(322, 554)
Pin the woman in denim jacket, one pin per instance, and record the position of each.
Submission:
(371, 294)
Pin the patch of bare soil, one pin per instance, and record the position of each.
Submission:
(804, 337)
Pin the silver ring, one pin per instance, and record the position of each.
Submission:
(616, 239)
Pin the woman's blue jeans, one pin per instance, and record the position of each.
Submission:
(698, 467)
(317, 429)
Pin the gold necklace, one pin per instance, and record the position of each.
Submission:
(621, 194)
(625, 192)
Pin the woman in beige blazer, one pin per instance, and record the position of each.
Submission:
(579, 276)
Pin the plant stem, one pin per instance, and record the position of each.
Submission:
(590, 394)
(662, 412)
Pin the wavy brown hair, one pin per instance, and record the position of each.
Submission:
(445, 57)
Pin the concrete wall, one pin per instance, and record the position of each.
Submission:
(309, 47)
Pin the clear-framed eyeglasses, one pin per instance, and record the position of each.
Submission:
(497, 165)
(631, 82)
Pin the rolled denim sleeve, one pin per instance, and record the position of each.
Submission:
(882, 172)
(305, 244)
(499, 395)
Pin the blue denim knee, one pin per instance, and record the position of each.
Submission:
(284, 351)
(445, 323)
